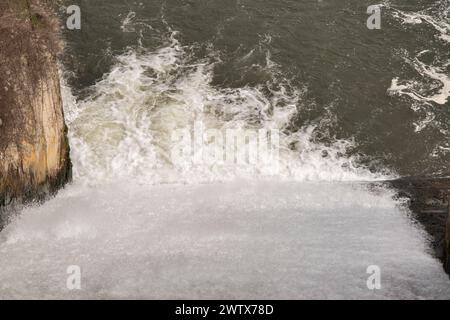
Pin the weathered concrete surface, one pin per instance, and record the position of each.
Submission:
(34, 151)
(429, 203)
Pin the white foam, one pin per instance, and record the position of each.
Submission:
(241, 240)
(128, 22)
(124, 128)
(438, 21)
(436, 17)
(413, 88)
(432, 86)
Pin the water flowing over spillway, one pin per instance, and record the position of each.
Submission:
(140, 225)
(232, 240)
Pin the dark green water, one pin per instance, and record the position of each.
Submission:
(322, 48)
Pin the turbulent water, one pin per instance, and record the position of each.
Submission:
(353, 106)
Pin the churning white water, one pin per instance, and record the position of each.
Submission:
(125, 128)
(414, 89)
(139, 226)
(233, 240)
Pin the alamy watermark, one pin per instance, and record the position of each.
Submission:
(374, 280)
(198, 145)
(374, 20)
(73, 281)
(74, 20)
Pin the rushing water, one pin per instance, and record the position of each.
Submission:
(353, 106)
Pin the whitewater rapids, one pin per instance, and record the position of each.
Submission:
(139, 226)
